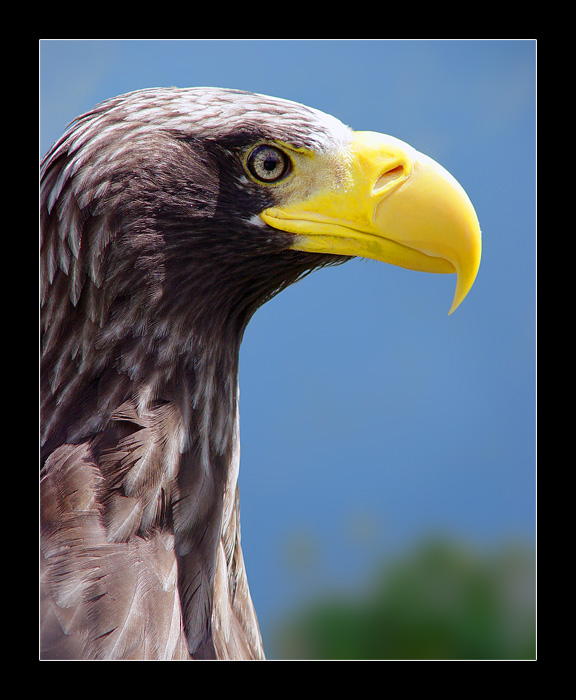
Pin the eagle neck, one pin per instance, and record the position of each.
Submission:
(204, 489)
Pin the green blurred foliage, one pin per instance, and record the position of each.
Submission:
(442, 602)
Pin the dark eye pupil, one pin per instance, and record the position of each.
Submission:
(270, 163)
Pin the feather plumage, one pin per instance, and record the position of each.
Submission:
(153, 261)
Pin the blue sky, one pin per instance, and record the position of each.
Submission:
(369, 418)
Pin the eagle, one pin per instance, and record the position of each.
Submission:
(168, 217)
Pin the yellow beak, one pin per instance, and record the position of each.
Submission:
(392, 204)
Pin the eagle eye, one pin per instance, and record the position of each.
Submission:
(268, 164)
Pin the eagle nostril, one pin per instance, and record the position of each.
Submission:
(388, 177)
